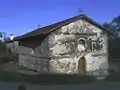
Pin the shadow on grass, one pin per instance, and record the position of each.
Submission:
(113, 78)
(46, 79)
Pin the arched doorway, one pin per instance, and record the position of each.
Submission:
(82, 66)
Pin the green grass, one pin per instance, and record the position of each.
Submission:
(45, 79)
(113, 78)
(52, 79)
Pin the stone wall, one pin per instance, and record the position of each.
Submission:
(34, 63)
(65, 43)
(34, 58)
(61, 50)
(12, 45)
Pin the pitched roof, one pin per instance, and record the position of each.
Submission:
(47, 29)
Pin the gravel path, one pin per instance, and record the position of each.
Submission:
(99, 85)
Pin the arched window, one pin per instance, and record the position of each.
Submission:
(89, 41)
(101, 45)
(82, 41)
(93, 46)
(81, 45)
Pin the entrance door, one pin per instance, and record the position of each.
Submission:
(81, 66)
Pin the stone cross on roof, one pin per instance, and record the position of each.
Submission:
(80, 11)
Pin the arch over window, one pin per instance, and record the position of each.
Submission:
(82, 41)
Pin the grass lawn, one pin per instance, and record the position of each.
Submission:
(45, 79)
(52, 79)
(113, 78)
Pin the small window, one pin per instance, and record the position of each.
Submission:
(93, 46)
(101, 45)
(89, 39)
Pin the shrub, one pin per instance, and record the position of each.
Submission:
(4, 55)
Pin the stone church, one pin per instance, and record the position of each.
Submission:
(77, 45)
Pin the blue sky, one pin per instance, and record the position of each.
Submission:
(21, 16)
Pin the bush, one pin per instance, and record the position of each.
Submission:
(4, 55)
